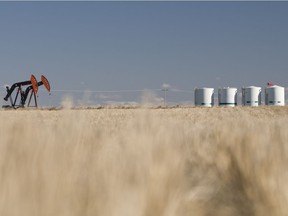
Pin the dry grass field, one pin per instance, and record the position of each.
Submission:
(144, 162)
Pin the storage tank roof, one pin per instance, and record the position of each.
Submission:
(274, 86)
(227, 88)
(252, 87)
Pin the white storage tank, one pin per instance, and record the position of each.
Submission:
(227, 97)
(275, 95)
(251, 96)
(204, 97)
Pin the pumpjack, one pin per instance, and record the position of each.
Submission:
(32, 89)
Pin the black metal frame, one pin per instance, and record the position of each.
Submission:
(23, 94)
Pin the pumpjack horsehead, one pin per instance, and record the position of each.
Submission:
(32, 89)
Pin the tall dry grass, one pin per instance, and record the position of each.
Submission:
(137, 162)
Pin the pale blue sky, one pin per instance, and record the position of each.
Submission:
(104, 46)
